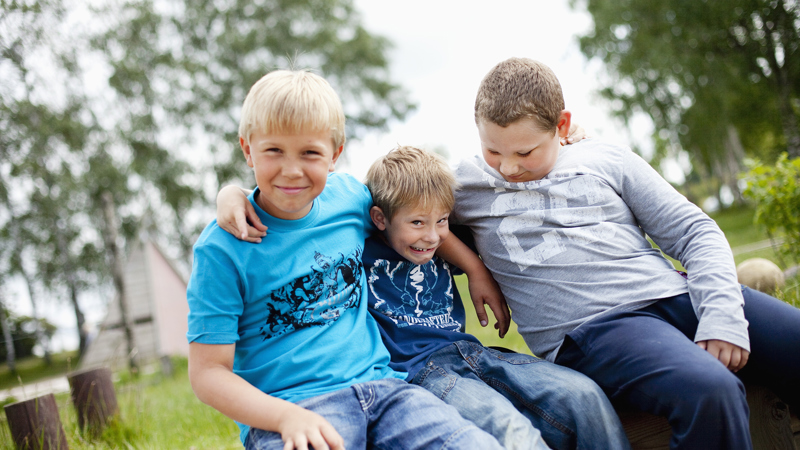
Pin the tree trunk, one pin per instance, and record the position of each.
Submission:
(119, 276)
(734, 155)
(791, 132)
(80, 319)
(10, 354)
(40, 337)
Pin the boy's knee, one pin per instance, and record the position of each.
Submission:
(712, 388)
(470, 436)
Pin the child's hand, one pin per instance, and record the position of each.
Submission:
(303, 429)
(485, 291)
(576, 134)
(233, 212)
(731, 355)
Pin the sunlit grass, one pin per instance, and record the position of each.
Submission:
(34, 368)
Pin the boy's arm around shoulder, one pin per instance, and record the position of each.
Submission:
(483, 290)
(215, 384)
(235, 214)
(684, 232)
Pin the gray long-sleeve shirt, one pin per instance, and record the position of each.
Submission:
(572, 246)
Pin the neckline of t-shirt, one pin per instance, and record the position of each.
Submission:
(275, 224)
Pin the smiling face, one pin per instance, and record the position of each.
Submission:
(291, 169)
(522, 151)
(414, 233)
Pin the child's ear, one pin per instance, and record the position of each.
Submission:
(336, 154)
(246, 150)
(564, 122)
(378, 218)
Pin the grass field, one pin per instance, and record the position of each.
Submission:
(160, 412)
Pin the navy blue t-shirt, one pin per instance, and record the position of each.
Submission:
(417, 307)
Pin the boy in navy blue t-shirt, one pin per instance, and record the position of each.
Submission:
(413, 298)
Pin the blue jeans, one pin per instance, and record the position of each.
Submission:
(387, 414)
(648, 359)
(521, 399)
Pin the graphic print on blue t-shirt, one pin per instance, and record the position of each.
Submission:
(315, 299)
(415, 300)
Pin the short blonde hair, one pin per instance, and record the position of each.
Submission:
(292, 102)
(520, 88)
(410, 177)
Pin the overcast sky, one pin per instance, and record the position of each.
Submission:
(442, 50)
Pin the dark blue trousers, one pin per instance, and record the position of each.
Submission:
(648, 359)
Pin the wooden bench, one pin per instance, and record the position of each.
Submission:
(772, 427)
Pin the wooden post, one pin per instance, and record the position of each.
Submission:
(35, 424)
(93, 397)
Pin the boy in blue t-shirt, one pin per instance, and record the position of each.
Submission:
(280, 339)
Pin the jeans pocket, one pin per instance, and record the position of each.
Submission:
(515, 358)
(435, 380)
(258, 439)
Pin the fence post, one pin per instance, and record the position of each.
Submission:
(94, 399)
(35, 424)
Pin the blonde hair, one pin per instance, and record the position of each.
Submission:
(410, 177)
(520, 88)
(292, 102)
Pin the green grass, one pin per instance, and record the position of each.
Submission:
(156, 412)
(488, 335)
(33, 368)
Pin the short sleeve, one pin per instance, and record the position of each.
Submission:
(215, 296)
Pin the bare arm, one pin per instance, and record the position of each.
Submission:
(233, 213)
(215, 384)
(482, 288)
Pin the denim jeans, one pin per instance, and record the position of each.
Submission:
(387, 414)
(523, 401)
(648, 359)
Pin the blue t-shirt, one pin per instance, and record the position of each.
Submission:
(417, 307)
(295, 304)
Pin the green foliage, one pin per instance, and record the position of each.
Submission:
(141, 99)
(23, 334)
(775, 190)
(185, 66)
(720, 80)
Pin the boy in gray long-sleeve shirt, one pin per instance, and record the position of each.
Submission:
(563, 232)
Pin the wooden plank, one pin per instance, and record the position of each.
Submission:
(645, 431)
(770, 422)
(771, 425)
